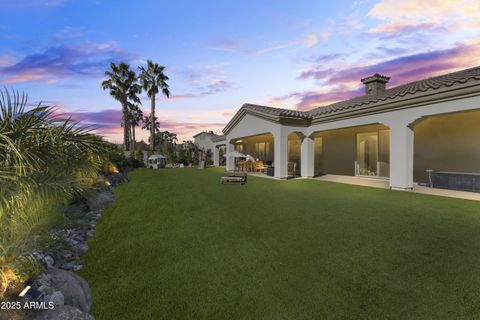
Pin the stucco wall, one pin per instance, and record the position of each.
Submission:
(339, 149)
(249, 145)
(447, 143)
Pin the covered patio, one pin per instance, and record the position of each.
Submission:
(259, 151)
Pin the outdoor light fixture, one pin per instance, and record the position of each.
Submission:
(239, 141)
(24, 291)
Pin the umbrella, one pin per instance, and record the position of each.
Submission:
(235, 154)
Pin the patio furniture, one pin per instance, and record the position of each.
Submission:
(249, 166)
(241, 165)
(234, 179)
(234, 154)
(259, 166)
(291, 169)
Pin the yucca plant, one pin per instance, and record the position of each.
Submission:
(45, 160)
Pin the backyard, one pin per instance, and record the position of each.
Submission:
(176, 244)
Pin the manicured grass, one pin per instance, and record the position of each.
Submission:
(178, 245)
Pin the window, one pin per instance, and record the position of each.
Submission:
(262, 150)
(239, 147)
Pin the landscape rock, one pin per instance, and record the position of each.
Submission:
(100, 200)
(64, 313)
(80, 248)
(117, 178)
(76, 291)
(57, 298)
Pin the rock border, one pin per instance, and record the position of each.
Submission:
(59, 292)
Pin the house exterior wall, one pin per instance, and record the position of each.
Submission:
(447, 143)
(204, 141)
(401, 122)
(249, 146)
(339, 149)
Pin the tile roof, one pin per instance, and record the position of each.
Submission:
(381, 100)
(433, 83)
(279, 112)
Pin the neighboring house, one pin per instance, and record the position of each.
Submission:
(207, 140)
(395, 134)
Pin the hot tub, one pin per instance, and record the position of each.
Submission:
(464, 181)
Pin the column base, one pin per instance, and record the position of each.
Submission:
(401, 188)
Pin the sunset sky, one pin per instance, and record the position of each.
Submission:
(221, 54)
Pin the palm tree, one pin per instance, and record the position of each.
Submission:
(153, 80)
(123, 85)
(45, 161)
(135, 116)
(146, 125)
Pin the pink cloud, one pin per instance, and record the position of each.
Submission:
(340, 84)
(107, 123)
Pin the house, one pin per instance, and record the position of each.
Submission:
(396, 134)
(207, 140)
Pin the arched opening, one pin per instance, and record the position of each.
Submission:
(258, 151)
(294, 154)
(448, 143)
(355, 151)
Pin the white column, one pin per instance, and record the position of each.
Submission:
(280, 161)
(401, 157)
(307, 157)
(230, 161)
(215, 156)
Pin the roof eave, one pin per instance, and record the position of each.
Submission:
(405, 102)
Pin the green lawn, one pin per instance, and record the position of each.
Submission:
(178, 245)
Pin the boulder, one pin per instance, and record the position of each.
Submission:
(76, 291)
(117, 178)
(100, 200)
(64, 313)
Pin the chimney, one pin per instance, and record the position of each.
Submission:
(375, 84)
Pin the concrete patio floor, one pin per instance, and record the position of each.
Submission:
(383, 184)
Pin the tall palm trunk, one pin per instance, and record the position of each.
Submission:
(152, 123)
(134, 142)
(126, 142)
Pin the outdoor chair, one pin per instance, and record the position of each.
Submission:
(291, 169)
(259, 166)
(249, 166)
(241, 165)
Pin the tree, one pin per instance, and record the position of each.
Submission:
(135, 116)
(208, 157)
(155, 128)
(153, 80)
(123, 85)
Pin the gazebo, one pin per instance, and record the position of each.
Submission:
(156, 161)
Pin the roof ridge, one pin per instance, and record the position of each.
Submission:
(408, 88)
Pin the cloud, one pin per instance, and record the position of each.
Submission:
(309, 99)
(107, 123)
(405, 68)
(343, 84)
(232, 45)
(217, 86)
(274, 46)
(313, 39)
(64, 61)
(411, 16)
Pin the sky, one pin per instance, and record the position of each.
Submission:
(221, 54)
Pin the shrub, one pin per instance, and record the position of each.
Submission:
(45, 161)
